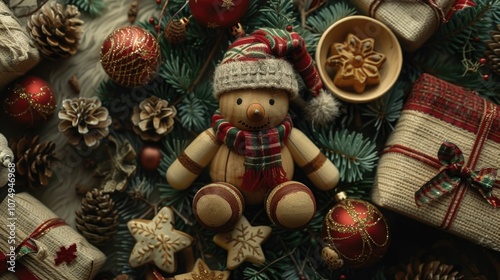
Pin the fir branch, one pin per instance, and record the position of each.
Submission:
(463, 27)
(360, 189)
(278, 14)
(352, 154)
(329, 15)
(180, 74)
(192, 114)
(385, 111)
(93, 8)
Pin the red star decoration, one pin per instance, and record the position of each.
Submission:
(66, 255)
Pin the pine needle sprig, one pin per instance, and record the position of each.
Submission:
(384, 112)
(140, 188)
(93, 8)
(106, 92)
(361, 189)
(464, 26)
(351, 153)
(278, 14)
(192, 114)
(124, 243)
(329, 15)
(173, 146)
(180, 73)
(273, 268)
(205, 96)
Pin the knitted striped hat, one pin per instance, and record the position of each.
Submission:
(269, 58)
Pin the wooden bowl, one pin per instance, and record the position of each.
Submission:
(385, 42)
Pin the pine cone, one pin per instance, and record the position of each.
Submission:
(433, 270)
(84, 121)
(33, 161)
(175, 32)
(493, 54)
(153, 118)
(97, 218)
(56, 31)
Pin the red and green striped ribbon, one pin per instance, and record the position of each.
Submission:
(453, 174)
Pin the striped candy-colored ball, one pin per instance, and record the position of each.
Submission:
(130, 56)
(218, 206)
(291, 205)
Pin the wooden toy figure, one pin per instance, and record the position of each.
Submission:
(252, 145)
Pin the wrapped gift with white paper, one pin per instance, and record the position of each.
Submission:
(36, 244)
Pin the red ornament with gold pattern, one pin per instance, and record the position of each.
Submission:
(130, 56)
(218, 13)
(29, 101)
(355, 233)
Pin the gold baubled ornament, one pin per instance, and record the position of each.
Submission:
(130, 56)
(201, 271)
(356, 231)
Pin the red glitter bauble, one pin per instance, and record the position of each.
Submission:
(29, 101)
(130, 56)
(357, 231)
(150, 158)
(218, 13)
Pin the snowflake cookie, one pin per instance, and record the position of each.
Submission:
(243, 243)
(356, 63)
(157, 241)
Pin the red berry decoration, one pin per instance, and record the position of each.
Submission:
(356, 231)
(482, 60)
(218, 13)
(29, 101)
(486, 77)
(130, 56)
(150, 157)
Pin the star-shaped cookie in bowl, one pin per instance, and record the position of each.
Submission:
(356, 63)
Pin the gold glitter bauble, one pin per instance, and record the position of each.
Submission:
(130, 56)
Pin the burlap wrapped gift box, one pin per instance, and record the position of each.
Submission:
(435, 112)
(412, 21)
(28, 214)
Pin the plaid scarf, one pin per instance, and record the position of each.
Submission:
(262, 151)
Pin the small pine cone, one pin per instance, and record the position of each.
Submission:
(33, 161)
(433, 270)
(97, 219)
(493, 54)
(84, 121)
(56, 31)
(175, 32)
(153, 118)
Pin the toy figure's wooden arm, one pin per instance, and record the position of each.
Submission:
(318, 168)
(186, 168)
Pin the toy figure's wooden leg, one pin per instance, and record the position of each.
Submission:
(218, 206)
(291, 205)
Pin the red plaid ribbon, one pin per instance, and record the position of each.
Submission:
(453, 174)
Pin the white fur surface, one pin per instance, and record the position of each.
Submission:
(60, 195)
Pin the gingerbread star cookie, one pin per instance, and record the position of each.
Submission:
(243, 243)
(356, 62)
(157, 241)
(202, 272)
